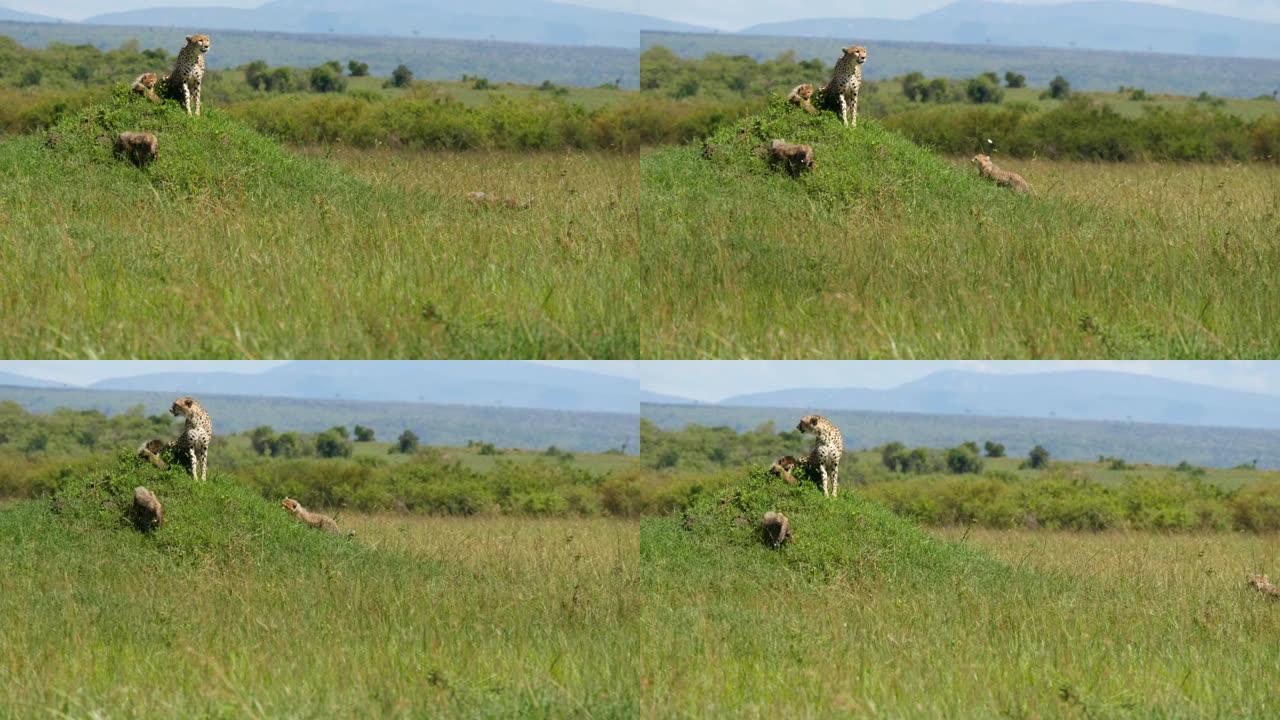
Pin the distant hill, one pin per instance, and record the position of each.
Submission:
(496, 383)
(429, 59)
(525, 21)
(1119, 26)
(16, 16)
(15, 380)
(1065, 439)
(434, 424)
(1091, 70)
(1086, 395)
(660, 399)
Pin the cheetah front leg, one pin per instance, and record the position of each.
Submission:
(186, 99)
(835, 472)
(199, 93)
(195, 464)
(853, 112)
(204, 461)
(844, 109)
(826, 487)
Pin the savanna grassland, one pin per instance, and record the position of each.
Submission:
(863, 614)
(233, 246)
(233, 609)
(887, 250)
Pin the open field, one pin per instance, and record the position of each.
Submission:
(864, 615)
(232, 609)
(886, 251)
(302, 257)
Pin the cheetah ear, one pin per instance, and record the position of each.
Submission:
(189, 37)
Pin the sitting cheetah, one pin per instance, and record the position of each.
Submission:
(802, 97)
(797, 159)
(141, 149)
(778, 527)
(315, 520)
(846, 83)
(188, 74)
(145, 85)
(195, 437)
(1003, 178)
(827, 450)
(782, 468)
(150, 451)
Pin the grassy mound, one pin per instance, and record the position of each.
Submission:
(846, 537)
(211, 155)
(216, 521)
(868, 163)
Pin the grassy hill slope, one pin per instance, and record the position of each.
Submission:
(233, 608)
(887, 250)
(231, 246)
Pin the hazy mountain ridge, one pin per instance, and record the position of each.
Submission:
(1117, 26)
(531, 21)
(1065, 439)
(18, 16)
(532, 429)
(1079, 395)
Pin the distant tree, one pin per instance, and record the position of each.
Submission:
(401, 77)
(37, 442)
(1059, 88)
(1038, 458)
(286, 445)
(481, 83)
(262, 439)
(983, 90)
(341, 430)
(993, 449)
(33, 76)
(280, 80)
(971, 446)
(1138, 95)
(326, 78)
(364, 434)
(990, 76)
(357, 68)
(1015, 80)
(937, 90)
(407, 442)
(547, 86)
(894, 456)
(256, 74)
(156, 54)
(963, 461)
(918, 460)
(913, 86)
(329, 444)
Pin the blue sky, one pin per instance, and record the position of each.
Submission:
(85, 372)
(711, 381)
(722, 14)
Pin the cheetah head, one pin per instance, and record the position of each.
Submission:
(809, 424)
(200, 41)
(149, 80)
(805, 91)
(858, 52)
(183, 405)
(290, 504)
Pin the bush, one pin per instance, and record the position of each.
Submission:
(1038, 458)
(407, 443)
(357, 68)
(994, 449)
(1015, 80)
(401, 77)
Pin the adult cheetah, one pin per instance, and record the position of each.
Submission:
(827, 450)
(188, 74)
(195, 437)
(846, 83)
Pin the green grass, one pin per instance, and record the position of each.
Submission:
(231, 246)
(888, 251)
(233, 609)
(865, 615)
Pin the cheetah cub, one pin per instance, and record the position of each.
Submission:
(315, 520)
(828, 447)
(139, 148)
(778, 527)
(145, 85)
(188, 74)
(802, 97)
(1003, 178)
(196, 435)
(846, 83)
